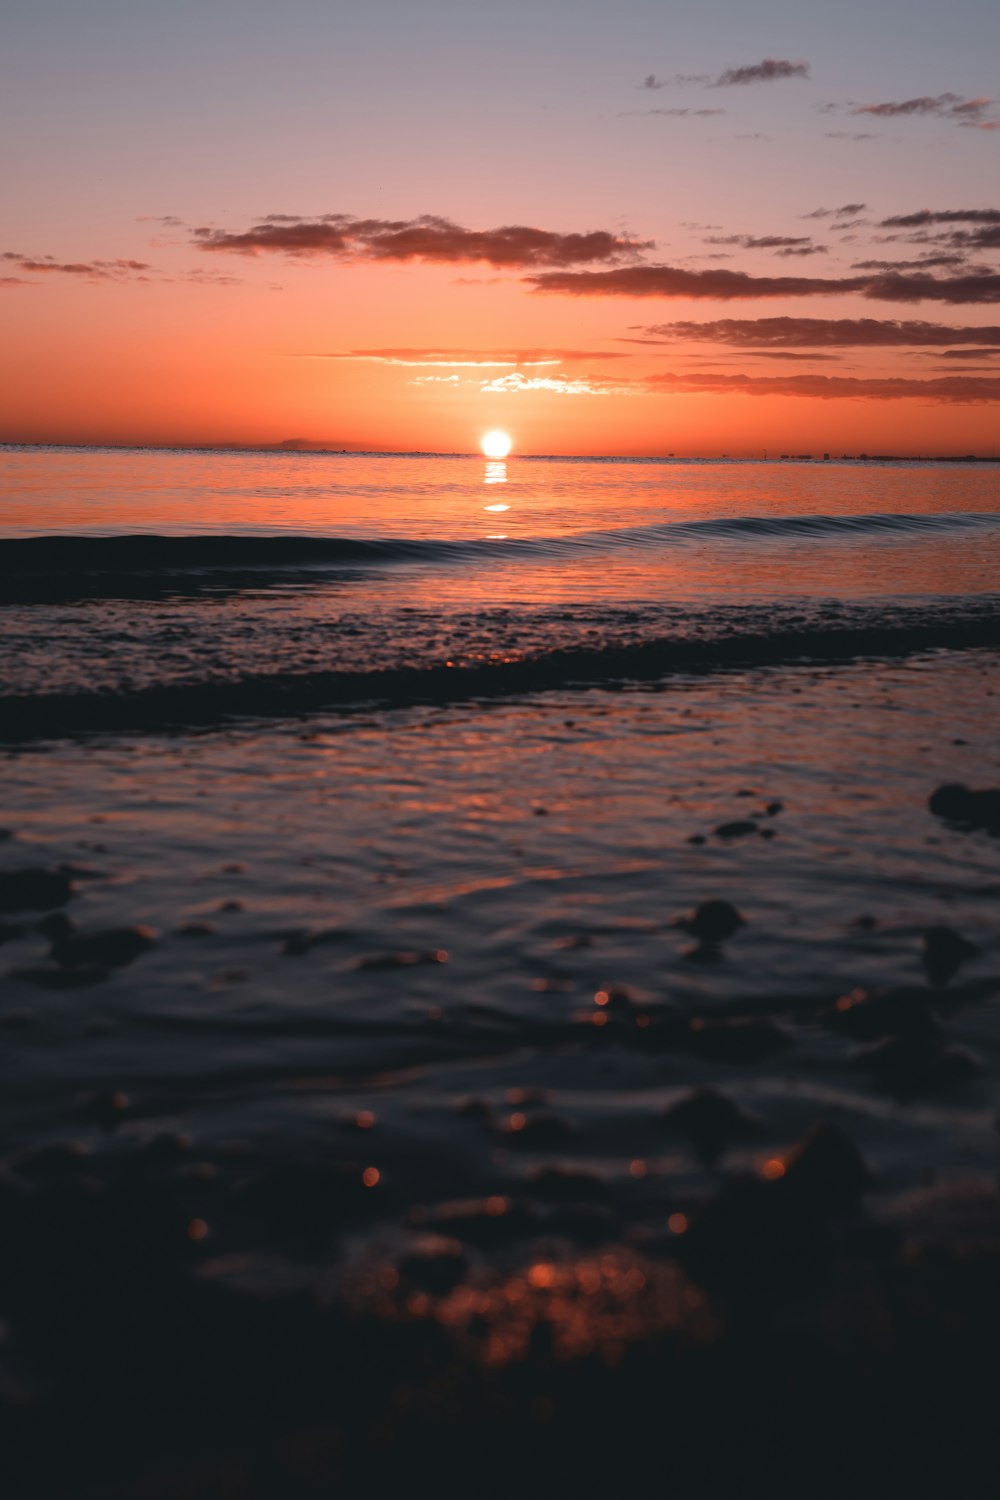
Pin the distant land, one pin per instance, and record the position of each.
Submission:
(340, 445)
(308, 445)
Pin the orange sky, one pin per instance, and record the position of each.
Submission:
(394, 231)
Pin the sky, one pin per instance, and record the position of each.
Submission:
(633, 228)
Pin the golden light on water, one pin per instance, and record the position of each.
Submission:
(496, 443)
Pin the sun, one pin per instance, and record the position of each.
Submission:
(496, 444)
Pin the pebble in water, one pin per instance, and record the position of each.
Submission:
(113, 948)
(827, 1168)
(709, 1120)
(740, 828)
(945, 951)
(781, 1221)
(56, 926)
(197, 929)
(959, 804)
(711, 923)
(303, 940)
(34, 889)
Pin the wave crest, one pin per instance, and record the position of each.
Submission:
(50, 569)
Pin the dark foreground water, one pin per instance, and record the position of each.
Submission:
(378, 1087)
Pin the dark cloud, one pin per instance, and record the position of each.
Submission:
(90, 270)
(768, 71)
(924, 263)
(825, 333)
(964, 353)
(946, 106)
(922, 106)
(427, 238)
(846, 211)
(951, 389)
(850, 135)
(782, 354)
(784, 244)
(894, 286)
(111, 270)
(946, 227)
(201, 277)
(74, 268)
(15, 281)
(724, 285)
(927, 216)
(759, 242)
(985, 238)
(679, 80)
(672, 281)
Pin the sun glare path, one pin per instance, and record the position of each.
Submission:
(496, 443)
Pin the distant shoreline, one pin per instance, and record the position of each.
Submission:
(622, 458)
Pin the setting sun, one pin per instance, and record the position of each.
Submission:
(496, 443)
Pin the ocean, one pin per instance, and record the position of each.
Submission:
(433, 886)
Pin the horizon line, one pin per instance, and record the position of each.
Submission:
(310, 450)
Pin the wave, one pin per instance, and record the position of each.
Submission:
(773, 640)
(50, 569)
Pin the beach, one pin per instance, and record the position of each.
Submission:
(489, 977)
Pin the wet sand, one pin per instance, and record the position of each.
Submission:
(584, 1090)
